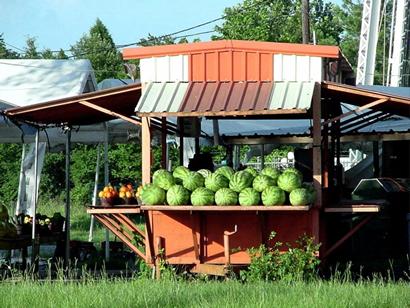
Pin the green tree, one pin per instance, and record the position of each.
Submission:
(279, 21)
(350, 17)
(31, 51)
(262, 20)
(6, 53)
(98, 46)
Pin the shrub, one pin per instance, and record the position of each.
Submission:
(270, 264)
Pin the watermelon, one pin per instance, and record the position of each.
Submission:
(311, 190)
(240, 180)
(271, 172)
(289, 181)
(193, 180)
(295, 171)
(249, 196)
(216, 181)
(178, 195)
(226, 196)
(273, 195)
(299, 196)
(151, 194)
(261, 182)
(163, 179)
(252, 171)
(180, 172)
(204, 172)
(225, 171)
(202, 196)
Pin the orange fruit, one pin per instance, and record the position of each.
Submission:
(101, 194)
(106, 189)
(128, 194)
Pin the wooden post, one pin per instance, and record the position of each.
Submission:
(158, 259)
(376, 159)
(317, 161)
(164, 143)
(317, 149)
(181, 143)
(146, 150)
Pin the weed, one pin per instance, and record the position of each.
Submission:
(298, 262)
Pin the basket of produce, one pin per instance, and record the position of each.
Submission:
(109, 196)
(127, 194)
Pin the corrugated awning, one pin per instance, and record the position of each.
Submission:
(83, 109)
(359, 97)
(208, 98)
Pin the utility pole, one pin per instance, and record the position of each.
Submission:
(305, 22)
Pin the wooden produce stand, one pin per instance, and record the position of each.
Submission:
(230, 80)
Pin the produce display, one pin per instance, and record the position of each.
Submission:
(224, 187)
(45, 225)
(216, 181)
(125, 194)
(202, 196)
(178, 195)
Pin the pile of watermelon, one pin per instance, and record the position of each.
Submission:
(247, 187)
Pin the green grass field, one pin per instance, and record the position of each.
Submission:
(142, 292)
(148, 293)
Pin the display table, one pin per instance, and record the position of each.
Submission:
(22, 242)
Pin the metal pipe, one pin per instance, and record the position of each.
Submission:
(67, 201)
(22, 184)
(227, 252)
(95, 193)
(34, 208)
(106, 180)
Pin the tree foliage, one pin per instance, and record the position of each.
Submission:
(98, 46)
(279, 21)
(6, 53)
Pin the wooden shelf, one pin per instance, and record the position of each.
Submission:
(226, 208)
(123, 209)
(354, 208)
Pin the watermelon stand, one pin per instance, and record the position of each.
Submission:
(229, 80)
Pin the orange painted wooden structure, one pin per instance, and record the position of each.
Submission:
(208, 238)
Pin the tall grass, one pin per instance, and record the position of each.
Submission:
(149, 293)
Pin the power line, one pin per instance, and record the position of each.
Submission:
(16, 48)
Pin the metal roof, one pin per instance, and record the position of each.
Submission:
(394, 104)
(71, 111)
(231, 45)
(212, 98)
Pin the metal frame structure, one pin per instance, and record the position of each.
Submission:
(368, 42)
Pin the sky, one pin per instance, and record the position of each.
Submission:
(61, 23)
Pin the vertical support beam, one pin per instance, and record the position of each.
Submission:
(164, 143)
(317, 161)
(197, 148)
(215, 126)
(95, 193)
(106, 180)
(146, 150)
(67, 198)
(22, 190)
(34, 209)
(317, 147)
(159, 256)
(368, 42)
(181, 143)
(376, 159)
(262, 156)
